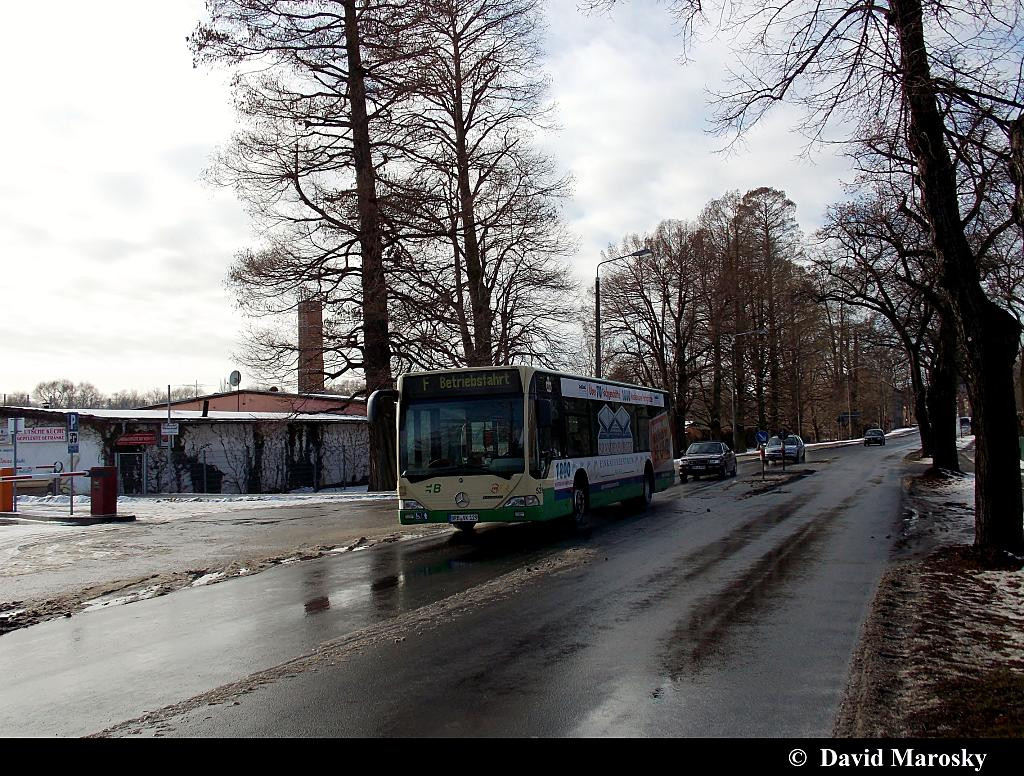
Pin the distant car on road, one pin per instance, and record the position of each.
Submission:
(795, 449)
(707, 458)
(874, 436)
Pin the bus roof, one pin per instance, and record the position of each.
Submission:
(527, 371)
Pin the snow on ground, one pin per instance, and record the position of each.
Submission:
(104, 602)
(173, 506)
(208, 578)
(896, 432)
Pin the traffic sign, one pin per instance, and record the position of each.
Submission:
(73, 422)
(762, 437)
(168, 429)
(72, 442)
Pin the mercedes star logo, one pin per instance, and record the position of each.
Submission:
(461, 499)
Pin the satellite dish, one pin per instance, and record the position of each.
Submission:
(235, 378)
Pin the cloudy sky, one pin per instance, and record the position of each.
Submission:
(114, 252)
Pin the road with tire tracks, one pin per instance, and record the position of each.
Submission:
(730, 608)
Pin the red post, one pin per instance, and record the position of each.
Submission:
(103, 491)
(7, 491)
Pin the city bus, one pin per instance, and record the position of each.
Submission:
(520, 443)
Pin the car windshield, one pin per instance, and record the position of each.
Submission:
(774, 442)
(453, 437)
(704, 448)
(873, 432)
(792, 440)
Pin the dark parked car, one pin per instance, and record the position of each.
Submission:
(874, 436)
(795, 450)
(708, 458)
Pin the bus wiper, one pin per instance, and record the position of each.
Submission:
(474, 467)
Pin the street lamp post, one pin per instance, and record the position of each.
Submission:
(732, 346)
(597, 303)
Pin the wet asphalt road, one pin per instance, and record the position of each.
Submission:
(722, 611)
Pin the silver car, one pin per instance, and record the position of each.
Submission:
(795, 450)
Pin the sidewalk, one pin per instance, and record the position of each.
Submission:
(943, 650)
(52, 569)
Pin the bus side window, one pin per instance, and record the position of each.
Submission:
(578, 433)
(641, 429)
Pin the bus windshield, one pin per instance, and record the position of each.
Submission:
(461, 436)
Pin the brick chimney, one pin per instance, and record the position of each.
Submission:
(311, 346)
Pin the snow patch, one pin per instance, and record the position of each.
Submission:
(208, 578)
(103, 602)
(174, 506)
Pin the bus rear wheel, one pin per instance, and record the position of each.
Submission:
(642, 502)
(465, 527)
(580, 517)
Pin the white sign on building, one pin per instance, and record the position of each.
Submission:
(36, 434)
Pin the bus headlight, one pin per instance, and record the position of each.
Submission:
(522, 501)
(408, 503)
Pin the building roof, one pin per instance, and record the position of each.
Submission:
(340, 398)
(215, 416)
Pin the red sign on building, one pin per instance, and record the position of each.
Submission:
(144, 438)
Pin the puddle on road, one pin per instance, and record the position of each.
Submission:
(401, 577)
(318, 604)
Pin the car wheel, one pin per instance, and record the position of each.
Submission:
(465, 527)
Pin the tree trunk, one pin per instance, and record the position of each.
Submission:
(739, 433)
(942, 398)
(924, 425)
(479, 293)
(990, 336)
(376, 348)
(681, 389)
(1017, 167)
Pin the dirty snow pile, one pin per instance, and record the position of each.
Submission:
(169, 506)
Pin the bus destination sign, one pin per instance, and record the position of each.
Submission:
(463, 383)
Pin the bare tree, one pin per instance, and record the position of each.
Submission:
(481, 207)
(940, 71)
(315, 83)
(649, 315)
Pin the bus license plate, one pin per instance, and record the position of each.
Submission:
(468, 518)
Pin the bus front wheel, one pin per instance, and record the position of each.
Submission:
(465, 527)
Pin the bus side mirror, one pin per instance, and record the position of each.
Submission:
(544, 413)
(380, 402)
